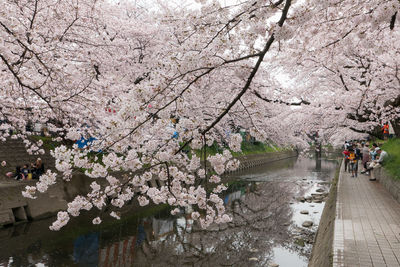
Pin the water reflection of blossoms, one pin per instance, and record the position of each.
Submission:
(261, 215)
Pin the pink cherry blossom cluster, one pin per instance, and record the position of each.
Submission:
(62, 220)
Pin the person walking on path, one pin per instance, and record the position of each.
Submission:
(346, 145)
(346, 154)
(353, 162)
(358, 153)
(365, 156)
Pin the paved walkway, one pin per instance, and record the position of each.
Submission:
(367, 224)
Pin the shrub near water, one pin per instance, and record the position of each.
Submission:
(392, 147)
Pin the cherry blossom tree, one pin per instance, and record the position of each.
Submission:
(65, 62)
(347, 65)
(119, 73)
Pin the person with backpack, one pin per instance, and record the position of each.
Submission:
(353, 162)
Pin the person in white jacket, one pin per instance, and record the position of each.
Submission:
(375, 164)
(391, 131)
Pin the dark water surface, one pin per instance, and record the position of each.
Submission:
(266, 228)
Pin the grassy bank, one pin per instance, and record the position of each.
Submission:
(392, 166)
(248, 148)
(257, 148)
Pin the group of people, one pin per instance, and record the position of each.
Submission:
(28, 172)
(352, 154)
(371, 158)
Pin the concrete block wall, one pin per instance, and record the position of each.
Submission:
(250, 161)
(15, 208)
(14, 153)
(391, 184)
(246, 162)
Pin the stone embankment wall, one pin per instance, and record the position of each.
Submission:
(253, 160)
(14, 208)
(14, 153)
(246, 162)
(391, 184)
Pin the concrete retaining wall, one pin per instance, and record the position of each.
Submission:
(14, 208)
(392, 185)
(250, 161)
(322, 250)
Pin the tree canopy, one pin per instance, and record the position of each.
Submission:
(151, 84)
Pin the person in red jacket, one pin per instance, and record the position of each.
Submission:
(346, 154)
(385, 130)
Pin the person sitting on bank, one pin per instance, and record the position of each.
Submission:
(25, 170)
(373, 152)
(37, 169)
(376, 164)
(17, 175)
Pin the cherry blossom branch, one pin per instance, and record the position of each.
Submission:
(160, 109)
(342, 80)
(393, 21)
(21, 83)
(343, 37)
(25, 46)
(68, 27)
(249, 79)
(281, 101)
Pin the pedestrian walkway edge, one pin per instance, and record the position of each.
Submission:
(338, 238)
(322, 251)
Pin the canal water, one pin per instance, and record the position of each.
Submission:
(265, 203)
